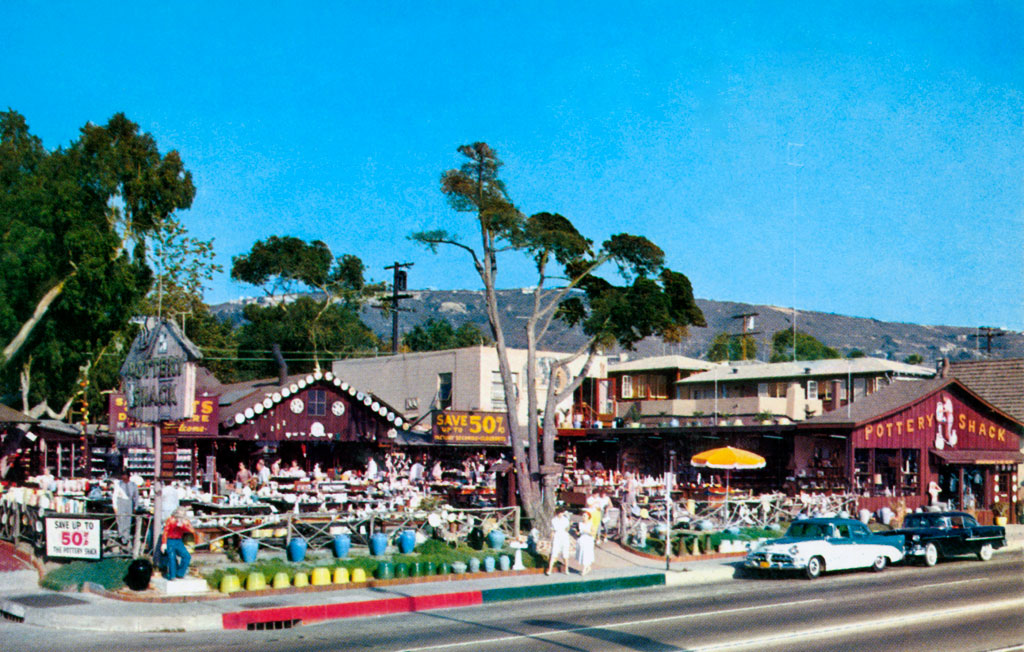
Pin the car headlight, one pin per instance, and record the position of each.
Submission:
(793, 549)
(916, 537)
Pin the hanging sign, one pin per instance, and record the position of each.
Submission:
(470, 428)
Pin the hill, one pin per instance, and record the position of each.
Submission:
(875, 338)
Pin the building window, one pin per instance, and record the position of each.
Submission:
(658, 388)
(316, 402)
(762, 390)
(444, 390)
(498, 402)
(860, 387)
(812, 390)
(627, 387)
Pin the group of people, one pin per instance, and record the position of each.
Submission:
(590, 530)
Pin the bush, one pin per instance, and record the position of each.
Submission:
(108, 573)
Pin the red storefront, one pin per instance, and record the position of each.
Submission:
(927, 442)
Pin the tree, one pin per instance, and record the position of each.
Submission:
(807, 347)
(652, 300)
(338, 330)
(732, 347)
(439, 335)
(914, 358)
(286, 264)
(855, 353)
(74, 225)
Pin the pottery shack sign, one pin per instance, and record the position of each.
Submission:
(470, 428)
(159, 374)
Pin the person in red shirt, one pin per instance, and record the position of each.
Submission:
(178, 557)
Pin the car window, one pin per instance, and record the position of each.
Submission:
(969, 521)
(859, 531)
(805, 530)
(956, 521)
(844, 531)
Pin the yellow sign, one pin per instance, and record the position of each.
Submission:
(470, 428)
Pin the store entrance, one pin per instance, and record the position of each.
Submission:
(962, 486)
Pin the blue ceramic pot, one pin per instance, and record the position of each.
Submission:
(495, 539)
(489, 564)
(378, 544)
(474, 565)
(406, 541)
(297, 549)
(342, 544)
(248, 549)
(504, 563)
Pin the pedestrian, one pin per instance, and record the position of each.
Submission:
(262, 473)
(125, 499)
(560, 541)
(178, 557)
(585, 544)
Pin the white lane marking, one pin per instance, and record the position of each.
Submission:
(915, 618)
(646, 621)
(931, 586)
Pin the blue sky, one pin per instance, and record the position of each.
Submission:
(862, 158)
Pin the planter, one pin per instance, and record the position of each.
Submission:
(1001, 520)
(504, 563)
(444, 568)
(297, 549)
(248, 550)
(407, 541)
(401, 569)
(385, 571)
(378, 544)
(474, 565)
(489, 564)
(459, 567)
(342, 543)
(495, 539)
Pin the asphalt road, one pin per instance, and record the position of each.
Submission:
(962, 605)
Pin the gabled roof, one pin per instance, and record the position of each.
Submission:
(659, 362)
(808, 369)
(890, 400)
(1000, 382)
(243, 401)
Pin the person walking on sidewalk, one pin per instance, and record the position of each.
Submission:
(178, 557)
(560, 541)
(125, 500)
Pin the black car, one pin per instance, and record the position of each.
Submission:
(931, 536)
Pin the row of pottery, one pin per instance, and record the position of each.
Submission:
(342, 543)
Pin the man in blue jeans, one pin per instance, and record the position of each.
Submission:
(178, 557)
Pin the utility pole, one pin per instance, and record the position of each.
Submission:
(747, 331)
(989, 333)
(399, 284)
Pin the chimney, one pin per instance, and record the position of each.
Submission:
(837, 387)
(943, 367)
(282, 366)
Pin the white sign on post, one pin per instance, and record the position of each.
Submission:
(78, 538)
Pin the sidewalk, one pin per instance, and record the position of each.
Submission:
(615, 568)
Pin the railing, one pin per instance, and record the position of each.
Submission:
(26, 523)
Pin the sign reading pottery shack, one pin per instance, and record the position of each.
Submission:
(73, 537)
(159, 374)
(470, 428)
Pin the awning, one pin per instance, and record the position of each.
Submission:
(980, 457)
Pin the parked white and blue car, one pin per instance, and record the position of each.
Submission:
(819, 545)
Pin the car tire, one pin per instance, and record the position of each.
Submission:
(985, 552)
(815, 567)
(931, 555)
(881, 561)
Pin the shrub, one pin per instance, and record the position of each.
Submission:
(108, 573)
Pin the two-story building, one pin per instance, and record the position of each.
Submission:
(743, 393)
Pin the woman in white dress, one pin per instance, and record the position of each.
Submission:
(560, 541)
(585, 543)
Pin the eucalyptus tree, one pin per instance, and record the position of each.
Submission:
(649, 300)
(74, 224)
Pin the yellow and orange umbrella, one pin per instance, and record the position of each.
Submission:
(730, 459)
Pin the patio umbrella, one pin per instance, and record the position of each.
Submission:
(728, 458)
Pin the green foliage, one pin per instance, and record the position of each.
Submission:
(732, 347)
(300, 327)
(807, 347)
(108, 573)
(914, 358)
(855, 353)
(74, 225)
(439, 335)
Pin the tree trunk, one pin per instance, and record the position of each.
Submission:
(44, 304)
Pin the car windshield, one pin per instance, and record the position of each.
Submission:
(806, 530)
(924, 520)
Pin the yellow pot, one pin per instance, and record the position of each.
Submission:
(341, 575)
(320, 577)
(230, 584)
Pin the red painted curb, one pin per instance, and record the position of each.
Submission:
(313, 613)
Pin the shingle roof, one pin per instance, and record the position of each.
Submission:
(884, 401)
(1000, 382)
(891, 399)
(661, 362)
(807, 369)
(10, 415)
